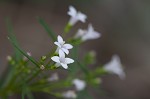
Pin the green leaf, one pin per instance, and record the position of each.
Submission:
(11, 34)
(6, 76)
(26, 92)
(23, 95)
(83, 68)
(24, 53)
(84, 95)
(47, 28)
(73, 68)
(29, 95)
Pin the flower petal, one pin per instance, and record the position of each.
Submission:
(79, 84)
(64, 65)
(115, 66)
(90, 28)
(60, 39)
(55, 59)
(94, 35)
(80, 33)
(72, 11)
(61, 54)
(65, 50)
(68, 46)
(58, 44)
(91, 34)
(82, 17)
(69, 60)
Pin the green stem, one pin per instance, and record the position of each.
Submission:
(34, 75)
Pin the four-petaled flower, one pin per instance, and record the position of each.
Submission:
(61, 60)
(115, 67)
(75, 16)
(87, 34)
(62, 46)
(79, 84)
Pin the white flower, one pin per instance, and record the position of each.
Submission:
(79, 84)
(87, 34)
(115, 67)
(62, 46)
(54, 77)
(61, 60)
(75, 16)
(69, 94)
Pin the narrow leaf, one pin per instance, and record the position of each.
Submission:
(11, 34)
(24, 53)
(47, 28)
(83, 68)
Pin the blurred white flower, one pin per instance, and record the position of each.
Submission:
(62, 46)
(9, 58)
(25, 58)
(79, 84)
(69, 94)
(75, 16)
(61, 60)
(54, 77)
(87, 34)
(115, 67)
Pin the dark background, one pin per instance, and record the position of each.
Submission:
(125, 28)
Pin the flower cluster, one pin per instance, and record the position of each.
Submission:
(78, 78)
(62, 49)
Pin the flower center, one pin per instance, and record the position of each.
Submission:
(62, 60)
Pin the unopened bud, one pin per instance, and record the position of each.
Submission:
(28, 53)
(92, 53)
(43, 58)
(42, 67)
(97, 80)
(25, 58)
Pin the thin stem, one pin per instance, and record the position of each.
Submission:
(34, 75)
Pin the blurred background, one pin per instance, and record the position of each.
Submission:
(125, 28)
